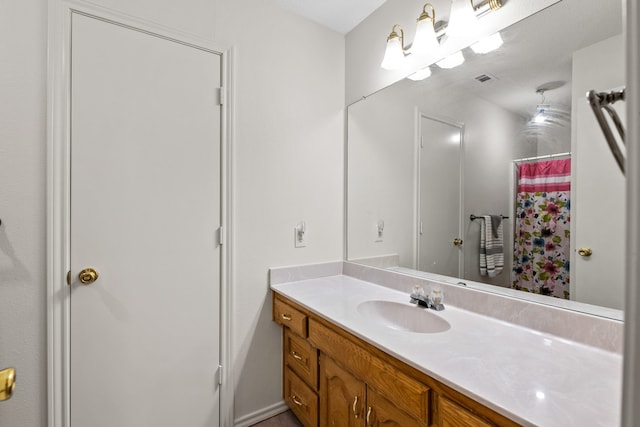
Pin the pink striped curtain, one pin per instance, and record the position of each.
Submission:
(541, 251)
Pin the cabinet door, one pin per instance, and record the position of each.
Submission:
(382, 413)
(453, 415)
(342, 396)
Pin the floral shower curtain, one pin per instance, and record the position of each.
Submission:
(541, 252)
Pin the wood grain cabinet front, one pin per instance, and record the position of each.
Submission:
(302, 400)
(342, 396)
(346, 401)
(454, 415)
(286, 315)
(301, 357)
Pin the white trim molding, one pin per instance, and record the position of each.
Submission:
(631, 374)
(58, 197)
(261, 415)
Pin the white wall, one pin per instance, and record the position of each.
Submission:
(23, 29)
(382, 175)
(288, 134)
(289, 150)
(366, 43)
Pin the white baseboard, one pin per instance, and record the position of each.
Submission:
(261, 415)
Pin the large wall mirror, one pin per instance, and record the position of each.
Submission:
(495, 173)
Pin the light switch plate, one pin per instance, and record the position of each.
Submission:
(300, 235)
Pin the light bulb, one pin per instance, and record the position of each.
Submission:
(462, 20)
(425, 40)
(394, 54)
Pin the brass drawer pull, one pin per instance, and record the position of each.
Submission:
(286, 317)
(355, 411)
(369, 416)
(296, 355)
(296, 401)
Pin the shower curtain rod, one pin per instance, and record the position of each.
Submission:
(546, 156)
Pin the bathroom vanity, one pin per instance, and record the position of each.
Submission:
(358, 354)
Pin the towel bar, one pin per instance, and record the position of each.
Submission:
(602, 101)
(474, 217)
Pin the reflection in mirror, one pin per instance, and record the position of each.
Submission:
(507, 137)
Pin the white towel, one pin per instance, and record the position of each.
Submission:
(491, 252)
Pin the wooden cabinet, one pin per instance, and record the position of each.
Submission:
(383, 413)
(453, 415)
(301, 357)
(301, 398)
(342, 396)
(346, 401)
(332, 378)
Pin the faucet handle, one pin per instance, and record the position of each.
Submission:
(418, 296)
(436, 299)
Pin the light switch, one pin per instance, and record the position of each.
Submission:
(299, 235)
(379, 230)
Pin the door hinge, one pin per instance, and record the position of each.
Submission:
(69, 278)
(222, 96)
(220, 237)
(219, 375)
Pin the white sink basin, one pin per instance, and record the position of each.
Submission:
(403, 317)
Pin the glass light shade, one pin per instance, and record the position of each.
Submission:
(420, 74)
(462, 20)
(425, 40)
(451, 61)
(539, 118)
(393, 55)
(488, 44)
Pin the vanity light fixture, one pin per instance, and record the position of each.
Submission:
(395, 52)
(463, 17)
(488, 44)
(425, 40)
(452, 60)
(420, 74)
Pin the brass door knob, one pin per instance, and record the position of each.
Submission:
(88, 276)
(7, 383)
(585, 252)
(457, 241)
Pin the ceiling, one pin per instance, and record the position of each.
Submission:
(339, 15)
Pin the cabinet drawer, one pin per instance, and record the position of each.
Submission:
(454, 415)
(301, 399)
(286, 315)
(403, 391)
(301, 357)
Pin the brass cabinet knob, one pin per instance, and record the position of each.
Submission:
(457, 241)
(88, 276)
(585, 252)
(7, 383)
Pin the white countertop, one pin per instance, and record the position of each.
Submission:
(530, 377)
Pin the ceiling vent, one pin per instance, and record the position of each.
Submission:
(483, 78)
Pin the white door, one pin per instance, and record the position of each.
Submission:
(145, 211)
(439, 198)
(598, 188)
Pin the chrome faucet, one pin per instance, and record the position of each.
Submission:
(432, 301)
